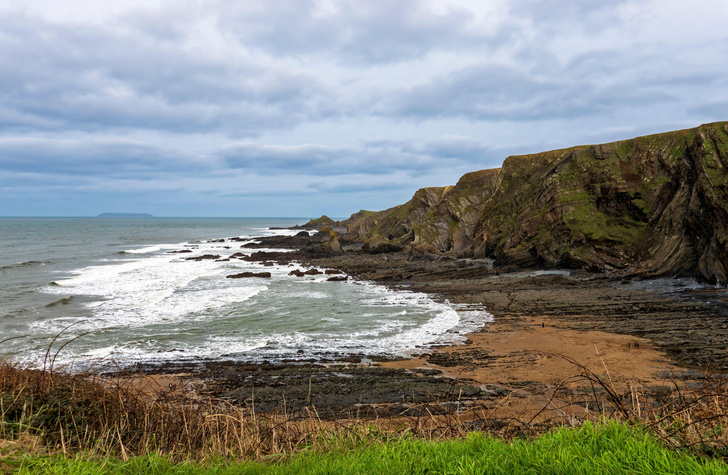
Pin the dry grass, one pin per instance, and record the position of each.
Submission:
(73, 413)
(67, 413)
(691, 415)
(57, 412)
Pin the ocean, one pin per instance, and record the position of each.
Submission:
(90, 292)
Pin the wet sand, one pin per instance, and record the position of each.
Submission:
(508, 354)
(533, 358)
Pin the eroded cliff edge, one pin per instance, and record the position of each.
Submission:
(654, 205)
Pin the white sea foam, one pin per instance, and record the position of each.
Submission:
(148, 249)
(310, 295)
(278, 232)
(167, 306)
(153, 289)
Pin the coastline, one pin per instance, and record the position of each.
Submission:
(553, 331)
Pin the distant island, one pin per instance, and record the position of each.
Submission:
(125, 215)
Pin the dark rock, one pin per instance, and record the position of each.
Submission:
(278, 242)
(249, 274)
(204, 257)
(472, 357)
(273, 256)
(303, 234)
(339, 391)
(183, 251)
(334, 245)
(337, 279)
(324, 243)
(300, 273)
(378, 245)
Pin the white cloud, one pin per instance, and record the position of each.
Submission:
(175, 96)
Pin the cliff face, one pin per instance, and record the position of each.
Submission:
(656, 205)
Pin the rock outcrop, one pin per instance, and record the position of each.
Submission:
(654, 205)
(320, 223)
(325, 242)
(243, 275)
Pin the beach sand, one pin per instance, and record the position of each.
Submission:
(541, 349)
(531, 357)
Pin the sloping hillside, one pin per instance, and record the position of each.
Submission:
(656, 204)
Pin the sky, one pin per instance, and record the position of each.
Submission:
(300, 108)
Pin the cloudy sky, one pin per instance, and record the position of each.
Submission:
(306, 107)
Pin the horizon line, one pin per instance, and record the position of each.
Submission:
(154, 216)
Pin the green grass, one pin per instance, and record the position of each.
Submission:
(323, 220)
(608, 448)
(364, 213)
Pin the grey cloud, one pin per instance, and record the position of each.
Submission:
(360, 187)
(92, 157)
(464, 148)
(553, 14)
(715, 110)
(638, 70)
(57, 77)
(510, 93)
(458, 149)
(375, 31)
(478, 93)
(141, 73)
(375, 158)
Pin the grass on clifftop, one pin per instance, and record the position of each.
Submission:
(593, 448)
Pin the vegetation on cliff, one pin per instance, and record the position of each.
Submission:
(318, 222)
(654, 205)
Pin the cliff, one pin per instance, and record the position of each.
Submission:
(656, 205)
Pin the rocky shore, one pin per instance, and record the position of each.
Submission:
(551, 327)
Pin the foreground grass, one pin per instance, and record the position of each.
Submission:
(110, 426)
(593, 448)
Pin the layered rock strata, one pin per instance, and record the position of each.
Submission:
(654, 205)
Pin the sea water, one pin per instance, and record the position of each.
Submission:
(114, 291)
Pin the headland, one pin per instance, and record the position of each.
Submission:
(600, 263)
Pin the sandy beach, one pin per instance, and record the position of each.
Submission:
(542, 350)
(535, 356)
